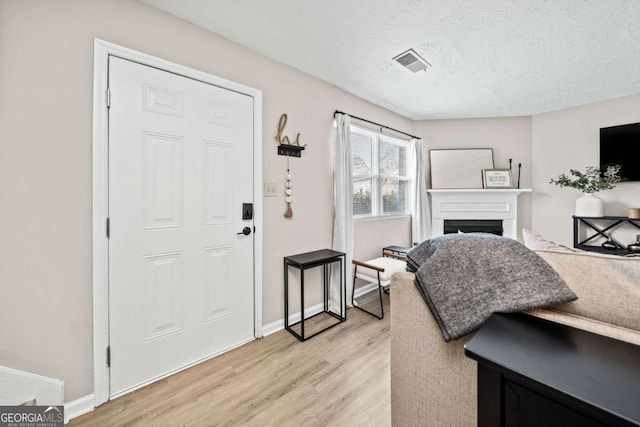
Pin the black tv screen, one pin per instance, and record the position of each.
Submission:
(620, 145)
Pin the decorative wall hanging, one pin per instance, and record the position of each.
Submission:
(285, 146)
(287, 192)
(288, 148)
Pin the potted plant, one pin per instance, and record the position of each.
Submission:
(589, 182)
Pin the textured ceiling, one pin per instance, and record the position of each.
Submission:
(489, 58)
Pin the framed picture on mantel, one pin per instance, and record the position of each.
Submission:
(496, 178)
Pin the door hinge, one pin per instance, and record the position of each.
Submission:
(108, 97)
(108, 228)
(109, 357)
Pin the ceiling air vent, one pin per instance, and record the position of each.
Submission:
(411, 60)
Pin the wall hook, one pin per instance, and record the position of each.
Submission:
(286, 147)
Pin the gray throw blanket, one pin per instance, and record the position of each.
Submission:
(464, 278)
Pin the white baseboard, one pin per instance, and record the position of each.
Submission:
(272, 327)
(278, 325)
(78, 407)
(365, 289)
(18, 387)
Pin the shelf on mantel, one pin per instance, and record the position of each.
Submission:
(480, 190)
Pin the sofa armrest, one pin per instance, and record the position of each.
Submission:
(432, 382)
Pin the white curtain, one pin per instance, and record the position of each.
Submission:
(420, 212)
(342, 210)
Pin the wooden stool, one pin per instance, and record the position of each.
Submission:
(378, 270)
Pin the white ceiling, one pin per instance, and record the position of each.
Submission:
(489, 57)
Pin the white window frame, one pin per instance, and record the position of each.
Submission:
(377, 177)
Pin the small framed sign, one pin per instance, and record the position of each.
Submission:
(496, 178)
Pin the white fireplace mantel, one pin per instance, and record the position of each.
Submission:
(476, 203)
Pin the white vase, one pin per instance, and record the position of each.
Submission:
(589, 205)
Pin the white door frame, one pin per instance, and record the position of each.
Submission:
(102, 50)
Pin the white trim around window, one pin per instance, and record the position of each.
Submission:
(368, 168)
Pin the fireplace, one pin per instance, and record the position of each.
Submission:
(493, 226)
(468, 205)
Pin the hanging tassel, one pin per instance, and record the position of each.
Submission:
(289, 212)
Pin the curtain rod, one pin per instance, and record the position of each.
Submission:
(374, 123)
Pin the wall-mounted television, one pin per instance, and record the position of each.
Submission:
(620, 145)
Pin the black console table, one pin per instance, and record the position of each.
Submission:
(533, 372)
(323, 258)
(601, 231)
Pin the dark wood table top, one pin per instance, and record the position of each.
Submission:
(312, 259)
(597, 370)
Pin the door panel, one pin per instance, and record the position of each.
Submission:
(163, 169)
(218, 283)
(217, 159)
(180, 167)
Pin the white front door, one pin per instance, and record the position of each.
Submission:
(181, 280)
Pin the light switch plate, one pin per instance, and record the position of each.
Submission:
(270, 189)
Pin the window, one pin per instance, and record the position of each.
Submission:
(380, 176)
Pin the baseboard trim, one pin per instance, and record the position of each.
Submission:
(272, 328)
(78, 407)
(365, 289)
(21, 386)
(278, 325)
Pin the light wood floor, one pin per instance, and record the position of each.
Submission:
(338, 378)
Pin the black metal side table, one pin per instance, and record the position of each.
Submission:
(601, 230)
(324, 258)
